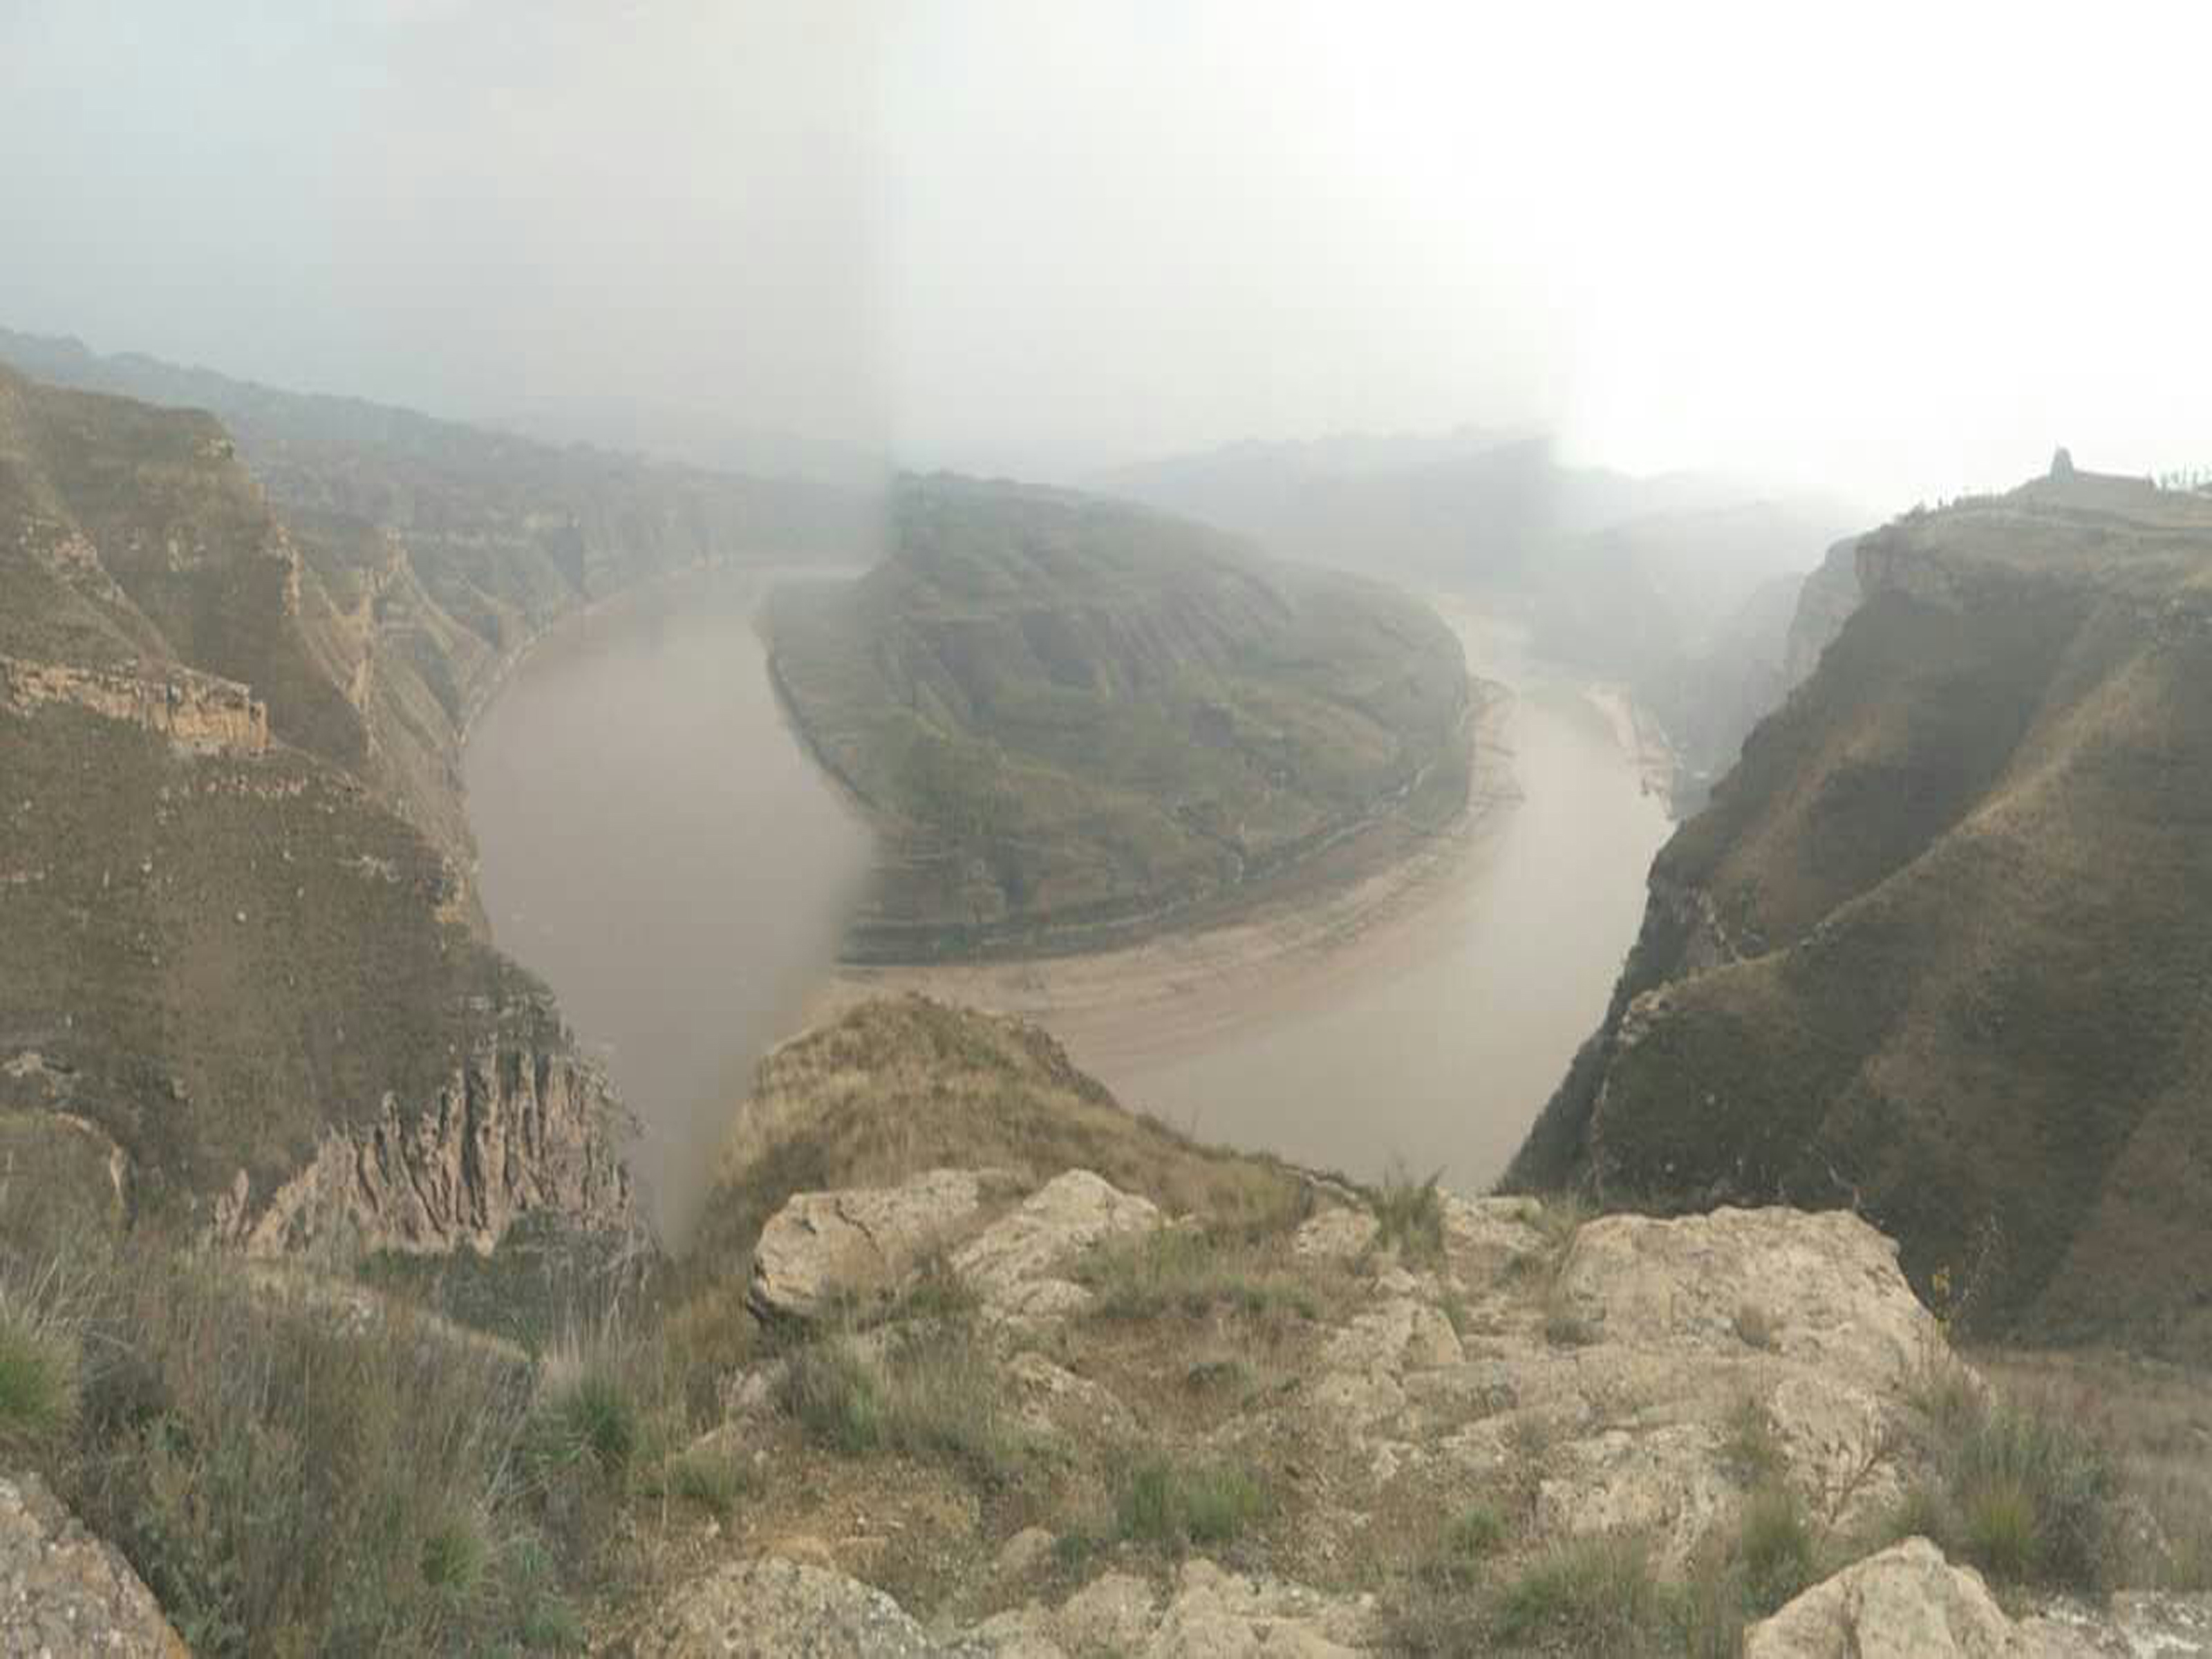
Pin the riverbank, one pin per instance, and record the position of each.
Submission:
(1176, 992)
(1419, 1014)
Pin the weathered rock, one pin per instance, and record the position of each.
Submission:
(1053, 1398)
(821, 1248)
(200, 713)
(1484, 1236)
(769, 1608)
(1906, 1603)
(1826, 1288)
(2138, 1624)
(523, 1127)
(63, 1591)
(1909, 1601)
(1013, 1263)
(1210, 1612)
(1338, 1235)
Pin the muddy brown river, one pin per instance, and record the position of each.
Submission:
(656, 845)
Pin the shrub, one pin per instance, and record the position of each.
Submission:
(2021, 1491)
(1178, 1507)
(932, 1395)
(290, 1474)
(1775, 1545)
(1185, 1270)
(835, 1396)
(1411, 1214)
(587, 1414)
(1592, 1595)
(39, 1366)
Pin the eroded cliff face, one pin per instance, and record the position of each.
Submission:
(516, 1131)
(1936, 949)
(201, 713)
(1825, 604)
(236, 938)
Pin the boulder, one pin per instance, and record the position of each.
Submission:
(823, 1247)
(64, 1592)
(1014, 1263)
(768, 1608)
(1823, 1291)
(1909, 1602)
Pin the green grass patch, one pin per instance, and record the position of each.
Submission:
(1596, 1596)
(1411, 1216)
(1187, 1506)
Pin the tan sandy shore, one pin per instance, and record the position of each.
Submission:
(1129, 1008)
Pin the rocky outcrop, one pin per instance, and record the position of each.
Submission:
(515, 1131)
(1908, 1602)
(769, 1607)
(1825, 604)
(1207, 1611)
(64, 1592)
(823, 1250)
(199, 712)
(1014, 1263)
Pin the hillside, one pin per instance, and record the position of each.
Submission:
(445, 549)
(970, 1360)
(1941, 945)
(229, 965)
(1677, 587)
(1069, 717)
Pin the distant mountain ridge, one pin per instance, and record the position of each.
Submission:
(1941, 945)
(1666, 586)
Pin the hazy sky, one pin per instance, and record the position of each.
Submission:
(1899, 249)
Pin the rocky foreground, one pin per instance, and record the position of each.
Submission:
(1573, 1386)
(966, 1359)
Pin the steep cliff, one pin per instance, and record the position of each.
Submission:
(223, 945)
(1941, 946)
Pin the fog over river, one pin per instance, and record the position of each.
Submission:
(656, 846)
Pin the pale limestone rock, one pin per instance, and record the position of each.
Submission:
(2138, 1624)
(64, 1592)
(1484, 1236)
(1340, 1234)
(769, 1607)
(1906, 1603)
(1667, 1482)
(1827, 1285)
(822, 1247)
(1053, 1399)
(1210, 1612)
(1023, 1553)
(1014, 1263)
(523, 1126)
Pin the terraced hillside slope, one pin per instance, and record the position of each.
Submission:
(447, 549)
(1070, 717)
(237, 983)
(1941, 946)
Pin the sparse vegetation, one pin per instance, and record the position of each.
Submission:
(2024, 1493)
(1180, 1506)
(1596, 1596)
(1411, 1214)
(38, 1361)
(1067, 715)
(1188, 1271)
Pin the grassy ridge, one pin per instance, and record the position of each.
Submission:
(1066, 713)
(1966, 881)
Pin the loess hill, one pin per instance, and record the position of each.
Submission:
(243, 976)
(1070, 718)
(1941, 945)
